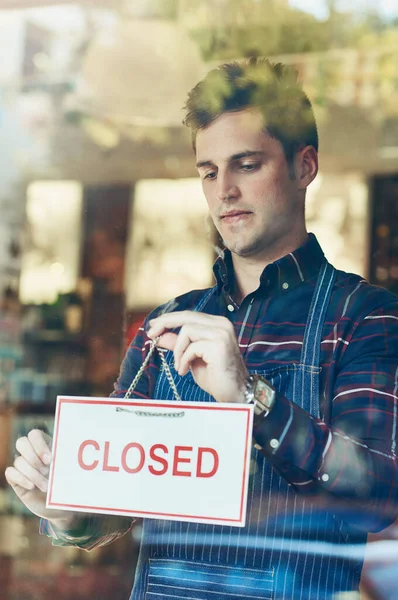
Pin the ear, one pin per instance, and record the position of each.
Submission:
(306, 166)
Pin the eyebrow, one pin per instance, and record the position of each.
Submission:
(238, 156)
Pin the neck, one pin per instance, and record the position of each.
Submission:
(248, 270)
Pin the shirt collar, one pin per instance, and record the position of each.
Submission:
(281, 276)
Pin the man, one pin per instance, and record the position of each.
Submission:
(315, 350)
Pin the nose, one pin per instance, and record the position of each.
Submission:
(226, 188)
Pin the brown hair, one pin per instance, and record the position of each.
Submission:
(259, 83)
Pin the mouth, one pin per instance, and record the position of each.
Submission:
(234, 216)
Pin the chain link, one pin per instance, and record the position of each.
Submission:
(169, 376)
(143, 413)
(165, 368)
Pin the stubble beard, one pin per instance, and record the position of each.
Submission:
(260, 245)
(246, 246)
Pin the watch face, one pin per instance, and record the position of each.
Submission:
(264, 394)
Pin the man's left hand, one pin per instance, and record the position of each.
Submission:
(207, 346)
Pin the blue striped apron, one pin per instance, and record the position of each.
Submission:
(288, 549)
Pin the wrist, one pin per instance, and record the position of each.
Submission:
(259, 392)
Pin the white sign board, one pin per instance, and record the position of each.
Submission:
(184, 461)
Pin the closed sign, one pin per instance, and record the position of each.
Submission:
(185, 461)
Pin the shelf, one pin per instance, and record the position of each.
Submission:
(54, 336)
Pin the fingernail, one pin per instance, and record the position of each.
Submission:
(44, 487)
(47, 459)
(44, 471)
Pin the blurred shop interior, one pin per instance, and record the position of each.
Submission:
(103, 217)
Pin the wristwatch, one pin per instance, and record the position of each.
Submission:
(260, 393)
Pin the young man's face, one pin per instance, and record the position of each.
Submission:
(254, 201)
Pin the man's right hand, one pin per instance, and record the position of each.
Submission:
(29, 478)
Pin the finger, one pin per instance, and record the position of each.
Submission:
(167, 341)
(178, 319)
(18, 481)
(41, 444)
(189, 334)
(26, 450)
(193, 352)
(39, 480)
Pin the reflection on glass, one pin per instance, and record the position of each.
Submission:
(169, 251)
(50, 264)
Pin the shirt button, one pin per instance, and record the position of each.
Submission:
(285, 285)
(230, 308)
(325, 477)
(274, 443)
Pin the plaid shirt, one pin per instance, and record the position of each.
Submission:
(347, 454)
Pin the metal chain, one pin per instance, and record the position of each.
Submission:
(143, 413)
(169, 376)
(165, 367)
(136, 379)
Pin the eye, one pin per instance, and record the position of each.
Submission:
(210, 175)
(250, 166)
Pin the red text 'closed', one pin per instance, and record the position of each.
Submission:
(180, 461)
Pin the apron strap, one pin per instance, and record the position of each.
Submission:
(308, 375)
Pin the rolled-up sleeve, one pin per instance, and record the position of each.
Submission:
(92, 531)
